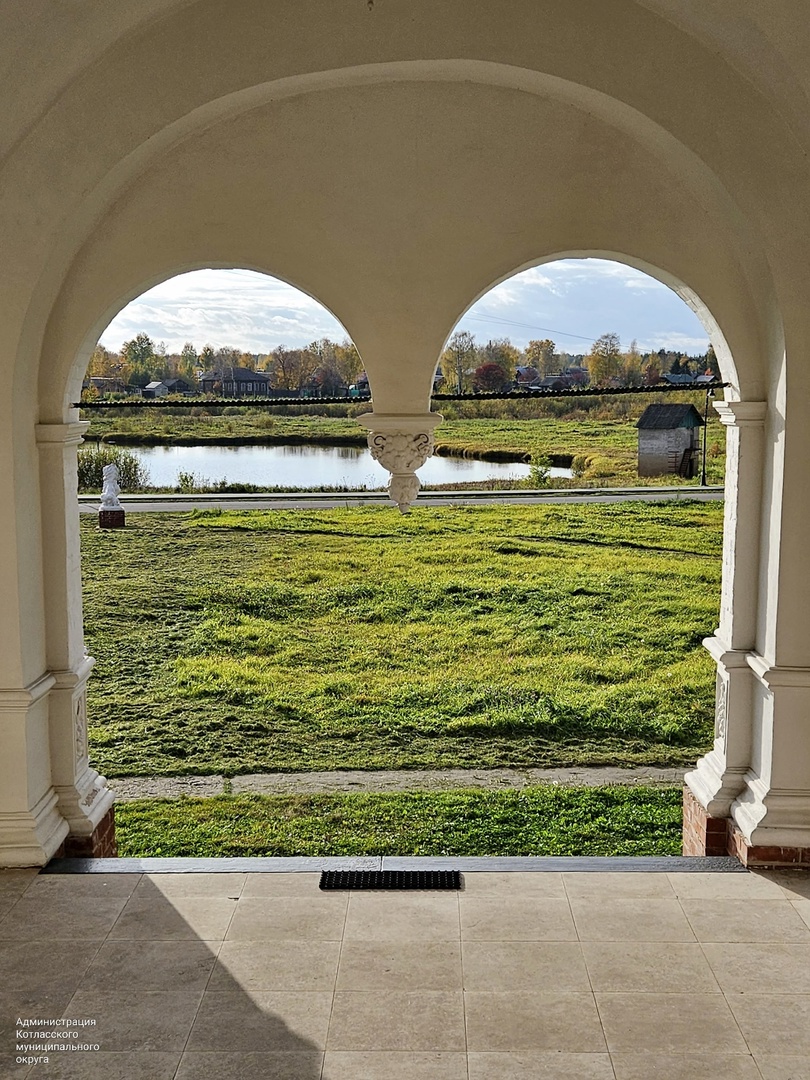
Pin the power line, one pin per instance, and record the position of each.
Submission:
(527, 326)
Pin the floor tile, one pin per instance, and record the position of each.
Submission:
(393, 1065)
(525, 1020)
(617, 886)
(784, 1067)
(394, 1020)
(282, 885)
(400, 965)
(630, 920)
(767, 968)
(228, 886)
(724, 887)
(28, 1005)
(159, 918)
(100, 1065)
(45, 965)
(773, 1023)
(15, 882)
(514, 884)
(65, 917)
(402, 917)
(528, 1066)
(802, 907)
(518, 919)
(292, 918)
(637, 967)
(684, 1067)
(150, 965)
(524, 965)
(7, 902)
(305, 1065)
(666, 1023)
(261, 1021)
(276, 965)
(795, 884)
(153, 1020)
(745, 920)
(118, 886)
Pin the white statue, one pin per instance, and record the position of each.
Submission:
(110, 488)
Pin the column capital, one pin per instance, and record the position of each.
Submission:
(402, 444)
(741, 413)
(62, 434)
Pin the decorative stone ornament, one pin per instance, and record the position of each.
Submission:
(401, 444)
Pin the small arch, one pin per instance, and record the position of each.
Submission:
(687, 294)
(72, 391)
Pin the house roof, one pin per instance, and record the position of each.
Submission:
(237, 374)
(666, 417)
(154, 385)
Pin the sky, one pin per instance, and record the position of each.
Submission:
(572, 301)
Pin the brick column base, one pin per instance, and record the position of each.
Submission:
(702, 835)
(99, 844)
(705, 835)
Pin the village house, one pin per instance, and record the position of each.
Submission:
(235, 382)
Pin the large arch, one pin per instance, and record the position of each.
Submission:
(394, 163)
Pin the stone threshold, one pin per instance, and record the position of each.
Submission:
(488, 864)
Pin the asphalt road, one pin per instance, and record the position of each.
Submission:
(88, 504)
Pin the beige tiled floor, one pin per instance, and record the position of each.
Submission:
(626, 976)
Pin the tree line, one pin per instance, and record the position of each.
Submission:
(465, 365)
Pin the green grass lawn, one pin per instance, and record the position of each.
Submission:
(479, 637)
(534, 821)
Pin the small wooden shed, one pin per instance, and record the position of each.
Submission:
(669, 440)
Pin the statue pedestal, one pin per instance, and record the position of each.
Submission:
(111, 519)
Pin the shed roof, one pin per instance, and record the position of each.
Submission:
(666, 417)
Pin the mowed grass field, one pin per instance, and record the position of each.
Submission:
(358, 638)
(534, 821)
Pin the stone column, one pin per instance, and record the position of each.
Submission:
(85, 801)
(401, 444)
(720, 776)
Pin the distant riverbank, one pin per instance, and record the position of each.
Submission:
(600, 452)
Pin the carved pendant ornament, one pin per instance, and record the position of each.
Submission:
(402, 453)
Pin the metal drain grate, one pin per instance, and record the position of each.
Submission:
(390, 879)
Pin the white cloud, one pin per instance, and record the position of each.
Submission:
(573, 301)
(224, 307)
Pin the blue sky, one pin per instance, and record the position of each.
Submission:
(572, 301)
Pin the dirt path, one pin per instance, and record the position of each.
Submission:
(171, 787)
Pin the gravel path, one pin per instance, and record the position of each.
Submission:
(171, 787)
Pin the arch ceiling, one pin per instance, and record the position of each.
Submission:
(635, 96)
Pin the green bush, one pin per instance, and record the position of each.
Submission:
(133, 476)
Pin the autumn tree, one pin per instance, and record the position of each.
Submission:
(187, 362)
(604, 360)
(207, 358)
(456, 358)
(490, 376)
(631, 366)
(501, 351)
(543, 356)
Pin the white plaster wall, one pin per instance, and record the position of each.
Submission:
(395, 161)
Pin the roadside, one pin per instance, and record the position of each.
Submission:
(88, 504)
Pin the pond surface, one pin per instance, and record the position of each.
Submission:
(308, 466)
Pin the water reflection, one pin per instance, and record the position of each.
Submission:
(309, 466)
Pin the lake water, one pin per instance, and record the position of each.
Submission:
(308, 466)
